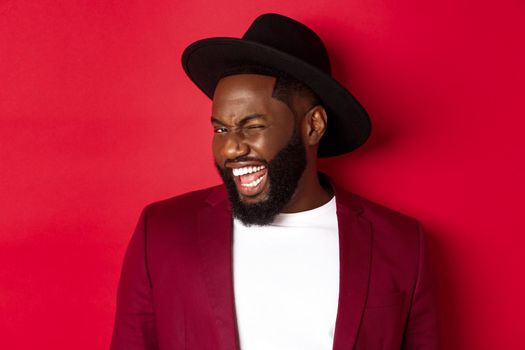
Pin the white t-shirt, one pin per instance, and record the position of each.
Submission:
(286, 281)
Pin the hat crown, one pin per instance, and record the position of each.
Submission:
(289, 36)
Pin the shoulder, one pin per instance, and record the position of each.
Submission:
(187, 203)
(384, 216)
(397, 243)
(173, 221)
(388, 225)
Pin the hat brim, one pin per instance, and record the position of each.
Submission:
(348, 122)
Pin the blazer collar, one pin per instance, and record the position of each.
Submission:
(355, 246)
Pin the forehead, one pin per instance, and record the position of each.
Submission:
(256, 82)
(244, 93)
(243, 87)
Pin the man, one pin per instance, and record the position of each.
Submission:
(278, 257)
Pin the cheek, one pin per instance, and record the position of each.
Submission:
(261, 145)
(270, 142)
(216, 147)
(257, 141)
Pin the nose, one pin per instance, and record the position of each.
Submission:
(235, 146)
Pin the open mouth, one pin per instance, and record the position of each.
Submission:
(250, 180)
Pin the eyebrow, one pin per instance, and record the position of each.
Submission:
(243, 121)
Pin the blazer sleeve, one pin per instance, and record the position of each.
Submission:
(422, 328)
(134, 327)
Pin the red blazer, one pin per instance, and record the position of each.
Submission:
(176, 287)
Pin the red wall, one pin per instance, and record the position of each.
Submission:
(98, 119)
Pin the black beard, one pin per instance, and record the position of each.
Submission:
(284, 172)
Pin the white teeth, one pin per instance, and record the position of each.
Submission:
(254, 183)
(247, 170)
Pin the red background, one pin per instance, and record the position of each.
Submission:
(98, 119)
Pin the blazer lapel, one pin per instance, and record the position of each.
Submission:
(215, 236)
(355, 247)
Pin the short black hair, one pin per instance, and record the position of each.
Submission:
(285, 85)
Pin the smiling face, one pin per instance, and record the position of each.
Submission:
(257, 147)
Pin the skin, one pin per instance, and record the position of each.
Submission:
(249, 122)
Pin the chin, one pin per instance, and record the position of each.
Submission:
(260, 197)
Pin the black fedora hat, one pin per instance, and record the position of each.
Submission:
(287, 46)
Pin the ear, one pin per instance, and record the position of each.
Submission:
(315, 123)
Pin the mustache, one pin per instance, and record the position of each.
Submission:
(245, 159)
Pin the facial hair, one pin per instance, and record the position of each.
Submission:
(284, 172)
